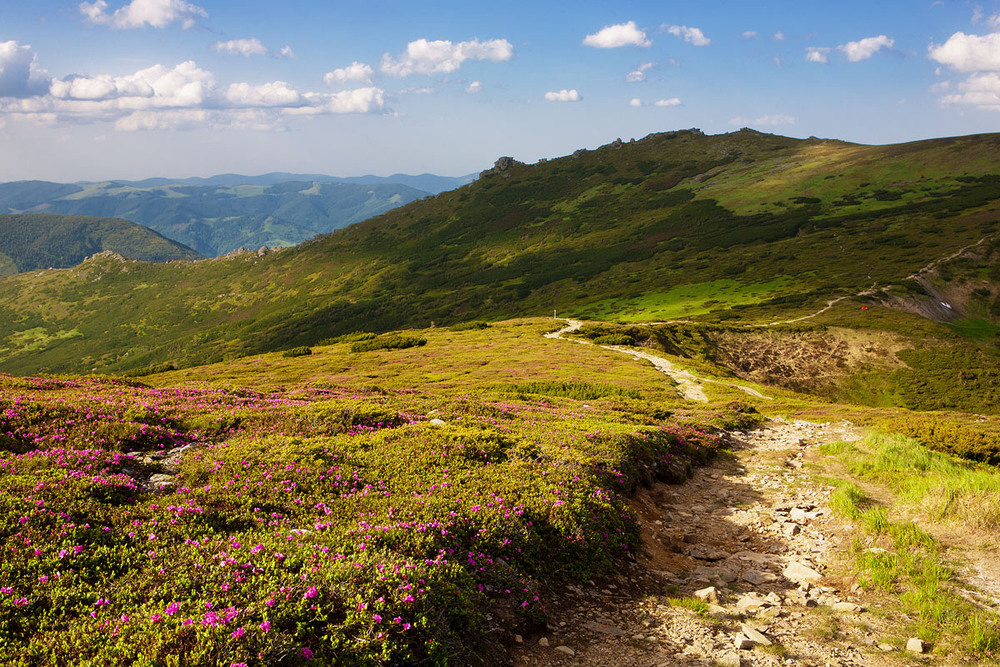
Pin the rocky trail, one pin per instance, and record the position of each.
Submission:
(688, 384)
(752, 537)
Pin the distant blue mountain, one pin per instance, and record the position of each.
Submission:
(430, 183)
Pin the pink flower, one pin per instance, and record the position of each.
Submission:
(266, 626)
(307, 653)
(171, 609)
(311, 592)
(238, 632)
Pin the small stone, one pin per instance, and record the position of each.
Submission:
(847, 606)
(754, 635)
(729, 660)
(709, 594)
(758, 578)
(518, 639)
(742, 642)
(915, 645)
(544, 641)
(603, 628)
(437, 422)
(638, 637)
(799, 573)
(565, 649)
(791, 529)
(749, 604)
(886, 647)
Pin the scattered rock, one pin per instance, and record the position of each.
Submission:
(518, 639)
(729, 660)
(757, 578)
(709, 594)
(437, 422)
(544, 641)
(565, 649)
(742, 642)
(754, 635)
(847, 606)
(604, 628)
(799, 573)
(915, 645)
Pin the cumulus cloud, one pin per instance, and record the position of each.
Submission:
(639, 73)
(690, 35)
(865, 48)
(139, 13)
(474, 87)
(778, 36)
(981, 90)
(767, 119)
(20, 75)
(969, 53)
(635, 102)
(442, 56)
(621, 34)
(563, 96)
(750, 34)
(356, 71)
(672, 102)
(818, 54)
(241, 47)
(183, 96)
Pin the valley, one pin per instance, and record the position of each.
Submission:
(761, 427)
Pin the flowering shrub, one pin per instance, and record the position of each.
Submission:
(305, 524)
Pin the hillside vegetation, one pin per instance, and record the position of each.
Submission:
(735, 231)
(220, 217)
(42, 241)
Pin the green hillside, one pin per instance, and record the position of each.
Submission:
(736, 230)
(43, 241)
(217, 218)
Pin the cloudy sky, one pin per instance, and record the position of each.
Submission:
(136, 88)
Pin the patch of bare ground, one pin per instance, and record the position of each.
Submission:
(744, 564)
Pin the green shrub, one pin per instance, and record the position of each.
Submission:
(302, 351)
(390, 342)
(469, 326)
(614, 339)
(581, 391)
(348, 338)
(150, 370)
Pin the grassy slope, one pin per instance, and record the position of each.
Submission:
(43, 241)
(678, 224)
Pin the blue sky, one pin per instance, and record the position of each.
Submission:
(136, 88)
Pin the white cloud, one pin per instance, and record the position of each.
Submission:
(672, 102)
(818, 54)
(639, 73)
(940, 87)
(690, 35)
(778, 36)
(418, 91)
(283, 52)
(474, 87)
(767, 119)
(182, 97)
(969, 53)
(274, 94)
(139, 13)
(354, 72)
(20, 75)
(441, 56)
(750, 34)
(563, 96)
(635, 102)
(981, 90)
(241, 47)
(613, 36)
(865, 48)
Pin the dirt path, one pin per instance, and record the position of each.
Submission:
(755, 538)
(688, 384)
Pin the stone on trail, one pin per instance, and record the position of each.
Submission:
(799, 573)
(565, 649)
(915, 645)
(603, 628)
(729, 660)
(750, 604)
(754, 635)
(709, 594)
(756, 577)
(742, 642)
(847, 606)
(544, 641)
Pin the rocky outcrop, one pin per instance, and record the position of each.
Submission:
(500, 166)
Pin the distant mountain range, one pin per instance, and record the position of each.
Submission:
(41, 241)
(430, 183)
(217, 215)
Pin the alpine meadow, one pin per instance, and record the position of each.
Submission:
(706, 397)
